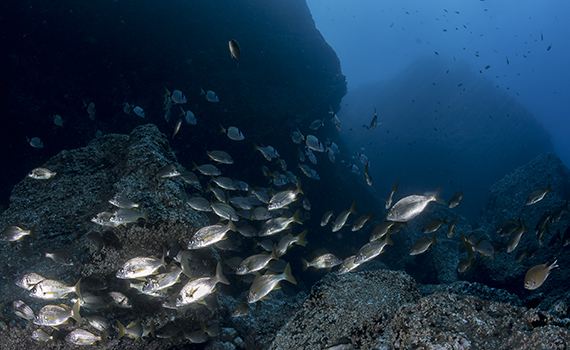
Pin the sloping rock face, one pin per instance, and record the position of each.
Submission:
(60, 56)
(61, 208)
(506, 200)
(383, 310)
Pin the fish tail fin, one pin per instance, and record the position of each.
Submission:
(255, 147)
(352, 210)
(388, 239)
(222, 129)
(184, 264)
(396, 186)
(301, 238)
(145, 215)
(305, 264)
(103, 338)
(77, 288)
(75, 311)
(220, 274)
(463, 240)
(433, 238)
(436, 196)
(274, 255)
(552, 264)
(297, 217)
(371, 216)
(548, 189)
(152, 329)
(33, 229)
(443, 222)
(523, 225)
(202, 92)
(122, 330)
(231, 226)
(288, 276)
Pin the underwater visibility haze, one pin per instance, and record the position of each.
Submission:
(284, 175)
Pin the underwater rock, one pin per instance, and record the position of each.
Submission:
(358, 306)
(506, 200)
(466, 322)
(61, 209)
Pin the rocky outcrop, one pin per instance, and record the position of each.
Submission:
(506, 200)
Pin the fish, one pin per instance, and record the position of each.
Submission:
(41, 335)
(342, 217)
(289, 240)
(549, 47)
(297, 137)
(362, 157)
(139, 111)
(538, 195)
(316, 124)
(484, 248)
(104, 219)
(123, 202)
(557, 215)
(284, 198)
(455, 200)
(177, 128)
(127, 216)
(233, 133)
(325, 261)
(14, 233)
(256, 262)
(310, 155)
(220, 157)
(268, 152)
(380, 230)
(313, 143)
(374, 121)
(263, 285)
(336, 122)
(197, 289)
(168, 171)
(348, 265)
(359, 223)
(225, 182)
(536, 276)
(52, 289)
(541, 36)
(60, 256)
(190, 178)
(235, 50)
(515, 237)
(29, 280)
(55, 315)
(371, 250)
(140, 267)
(22, 310)
(36, 142)
(218, 193)
(241, 310)
(211, 96)
(225, 211)
(178, 97)
(80, 336)
(422, 245)
(409, 207)
(391, 195)
(41, 174)
(100, 323)
(451, 226)
(367, 175)
(120, 300)
(464, 264)
(506, 227)
(276, 225)
(260, 213)
(134, 330)
(326, 218)
(207, 169)
(57, 120)
(433, 225)
(209, 235)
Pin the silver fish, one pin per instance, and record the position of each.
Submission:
(15, 233)
(256, 262)
(55, 315)
(342, 217)
(207, 169)
(391, 196)
(168, 171)
(41, 174)
(325, 261)
(536, 276)
(313, 143)
(209, 235)
(288, 241)
(22, 310)
(537, 195)
(197, 289)
(409, 207)
(124, 202)
(233, 133)
(127, 216)
(29, 280)
(422, 244)
(199, 203)
(220, 157)
(284, 198)
(326, 218)
(276, 225)
(456, 199)
(80, 336)
(371, 250)
(359, 223)
(53, 289)
(225, 211)
(263, 285)
(140, 267)
(348, 265)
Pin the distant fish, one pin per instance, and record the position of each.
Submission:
(391, 196)
(235, 50)
(127, 108)
(314, 144)
(342, 217)
(541, 36)
(367, 176)
(14, 233)
(177, 127)
(211, 96)
(325, 261)
(36, 142)
(374, 121)
(508, 60)
(91, 110)
(316, 124)
(57, 120)
(178, 97)
(41, 174)
(538, 195)
(189, 117)
(233, 133)
(139, 111)
(422, 245)
(456, 199)
(549, 47)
